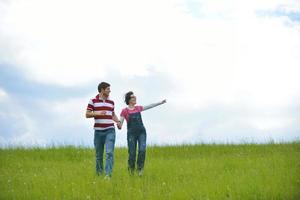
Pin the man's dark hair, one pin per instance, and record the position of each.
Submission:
(128, 96)
(103, 85)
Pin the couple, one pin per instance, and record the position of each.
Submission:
(101, 108)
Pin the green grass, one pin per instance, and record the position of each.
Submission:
(249, 171)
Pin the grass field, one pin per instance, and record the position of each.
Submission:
(249, 171)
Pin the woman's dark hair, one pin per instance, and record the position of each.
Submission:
(128, 96)
(103, 85)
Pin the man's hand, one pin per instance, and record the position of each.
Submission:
(91, 114)
(164, 101)
(119, 125)
(101, 113)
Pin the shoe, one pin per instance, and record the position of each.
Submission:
(140, 172)
(131, 172)
(99, 173)
(107, 177)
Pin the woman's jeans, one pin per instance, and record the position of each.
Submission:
(134, 138)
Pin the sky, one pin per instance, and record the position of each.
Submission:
(228, 69)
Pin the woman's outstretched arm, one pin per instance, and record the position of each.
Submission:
(154, 105)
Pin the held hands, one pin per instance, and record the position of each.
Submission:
(119, 125)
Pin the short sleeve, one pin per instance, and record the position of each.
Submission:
(140, 108)
(113, 109)
(90, 105)
(123, 113)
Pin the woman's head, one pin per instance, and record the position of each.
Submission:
(130, 98)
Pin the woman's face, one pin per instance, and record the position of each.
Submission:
(132, 100)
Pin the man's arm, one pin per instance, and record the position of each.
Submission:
(91, 114)
(153, 105)
(116, 119)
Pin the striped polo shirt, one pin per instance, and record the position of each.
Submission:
(96, 105)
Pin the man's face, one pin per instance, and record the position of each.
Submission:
(106, 91)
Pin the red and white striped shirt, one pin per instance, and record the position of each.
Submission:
(97, 105)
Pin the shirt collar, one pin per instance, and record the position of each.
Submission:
(98, 97)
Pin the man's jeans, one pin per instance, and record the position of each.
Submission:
(107, 138)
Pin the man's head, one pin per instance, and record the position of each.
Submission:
(130, 98)
(104, 88)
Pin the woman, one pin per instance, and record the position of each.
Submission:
(136, 132)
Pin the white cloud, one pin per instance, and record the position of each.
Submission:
(226, 55)
(3, 95)
(71, 42)
(16, 125)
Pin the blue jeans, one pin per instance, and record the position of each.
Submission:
(134, 138)
(104, 138)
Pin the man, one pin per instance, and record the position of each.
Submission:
(101, 108)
